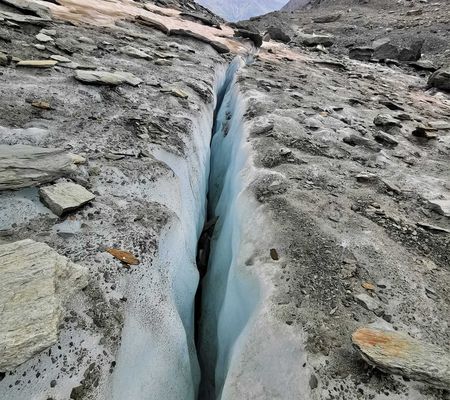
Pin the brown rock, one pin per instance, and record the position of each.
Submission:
(399, 354)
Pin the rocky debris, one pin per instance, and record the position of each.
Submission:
(23, 165)
(361, 53)
(441, 206)
(398, 353)
(36, 283)
(37, 63)
(124, 256)
(440, 79)
(278, 34)
(136, 53)
(63, 197)
(312, 40)
(107, 78)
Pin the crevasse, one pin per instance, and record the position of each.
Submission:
(158, 358)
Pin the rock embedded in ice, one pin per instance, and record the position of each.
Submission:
(398, 353)
(107, 78)
(36, 282)
(23, 165)
(63, 197)
(441, 206)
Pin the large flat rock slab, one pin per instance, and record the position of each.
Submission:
(23, 165)
(36, 282)
(65, 196)
(400, 354)
(107, 78)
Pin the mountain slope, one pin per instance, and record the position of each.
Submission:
(235, 10)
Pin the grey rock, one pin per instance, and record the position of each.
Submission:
(398, 353)
(36, 283)
(60, 59)
(255, 37)
(325, 19)
(440, 79)
(136, 53)
(386, 121)
(361, 53)
(278, 34)
(441, 206)
(65, 196)
(23, 166)
(43, 38)
(369, 303)
(314, 40)
(385, 139)
(383, 50)
(30, 7)
(107, 78)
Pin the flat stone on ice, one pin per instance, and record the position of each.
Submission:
(107, 78)
(36, 282)
(65, 196)
(398, 353)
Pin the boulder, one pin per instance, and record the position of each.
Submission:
(36, 283)
(440, 79)
(278, 34)
(107, 78)
(412, 53)
(255, 37)
(314, 40)
(398, 353)
(441, 206)
(384, 50)
(65, 196)
(361, 53)
(23, 166)
(325, 19)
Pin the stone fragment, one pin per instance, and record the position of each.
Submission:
(425, 132)
(60, 59)
(107, 78)
(124, 256)
(325, 19)
(153, 23)
(361, 53)
(42, 37)
(37, 63)
(65, 196)
(386, 121)
(36, 282)
(23, 165)
(440, 79)
(384, 50)
(4, 61)
(136, 53)
(314, 40)
(175, 92)
(441, 206)
(398, 353)
(278, 34)
(44, 105)
(385, 139)
(218, 46)
(369, 303)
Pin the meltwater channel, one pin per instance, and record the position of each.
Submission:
(180, 331)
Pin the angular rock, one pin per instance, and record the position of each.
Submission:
(37, 63)
(219, 47)
(107, 78)
(136, 53)
(361, 53)
(383, 49)
(314, 40)
(23, 166)
(36, 282)
(278, 34)
(441, 206)
(425, 132)
(153, 23)
(60, 59)
(369, 303)
(255, 37)
(412, 53)
(42, 37)
(65, 196)
(440, 79)
(325, 19)
(30, 7)
(385, 139)
(386, 121)
(399, 354)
